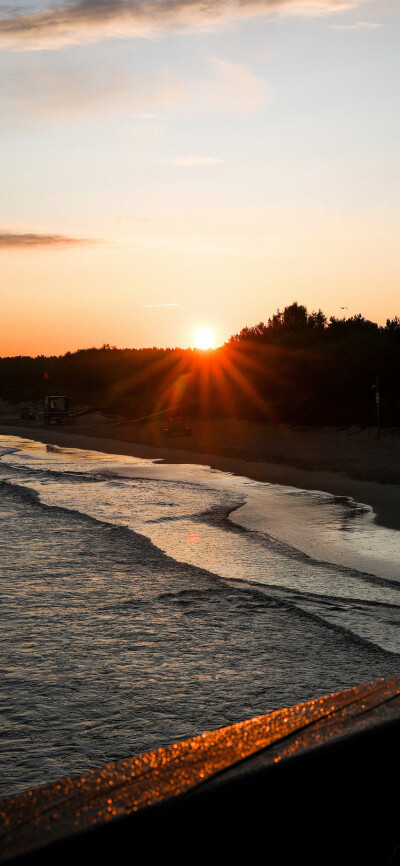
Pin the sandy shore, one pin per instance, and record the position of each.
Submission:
(343, 462)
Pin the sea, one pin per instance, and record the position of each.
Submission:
(143, 603)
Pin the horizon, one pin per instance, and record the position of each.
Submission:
(194, 166)
(196, 347)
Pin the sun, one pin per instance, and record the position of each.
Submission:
(204, 338)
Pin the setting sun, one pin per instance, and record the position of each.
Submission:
(204, 338)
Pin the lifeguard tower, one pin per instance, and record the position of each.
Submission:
(56, 410)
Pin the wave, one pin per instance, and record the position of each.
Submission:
(251, 598)
(217, 516)
(284, 572)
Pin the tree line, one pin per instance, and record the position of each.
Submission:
(298, 368)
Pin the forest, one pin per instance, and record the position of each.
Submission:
(298, 368)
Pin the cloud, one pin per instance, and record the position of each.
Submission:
(10, 240)
(64, 92)
(86, 21)
(68, 90)
(359, 25)
(229, 88)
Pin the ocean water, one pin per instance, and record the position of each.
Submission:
(143, 603)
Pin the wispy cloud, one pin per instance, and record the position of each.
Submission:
(90, 20)
(229, 88)
(222, 87)
(68, 90)
(359, 25)
(9, 240)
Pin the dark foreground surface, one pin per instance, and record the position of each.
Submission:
(316, 782)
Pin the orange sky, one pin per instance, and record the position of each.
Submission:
(200, 170)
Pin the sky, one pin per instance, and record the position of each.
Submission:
(170, 165)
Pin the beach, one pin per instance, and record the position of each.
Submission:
(344, 462)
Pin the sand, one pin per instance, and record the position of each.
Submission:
(345, 462)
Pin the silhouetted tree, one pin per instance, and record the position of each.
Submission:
(297, 368)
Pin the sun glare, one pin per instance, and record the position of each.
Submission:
(204, 338)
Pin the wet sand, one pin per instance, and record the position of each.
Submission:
(348, 462)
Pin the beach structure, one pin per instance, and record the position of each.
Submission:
(315, 783)
(56, 410)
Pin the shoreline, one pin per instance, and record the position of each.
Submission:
(383, 497)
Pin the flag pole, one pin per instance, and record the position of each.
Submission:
(378, 420)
